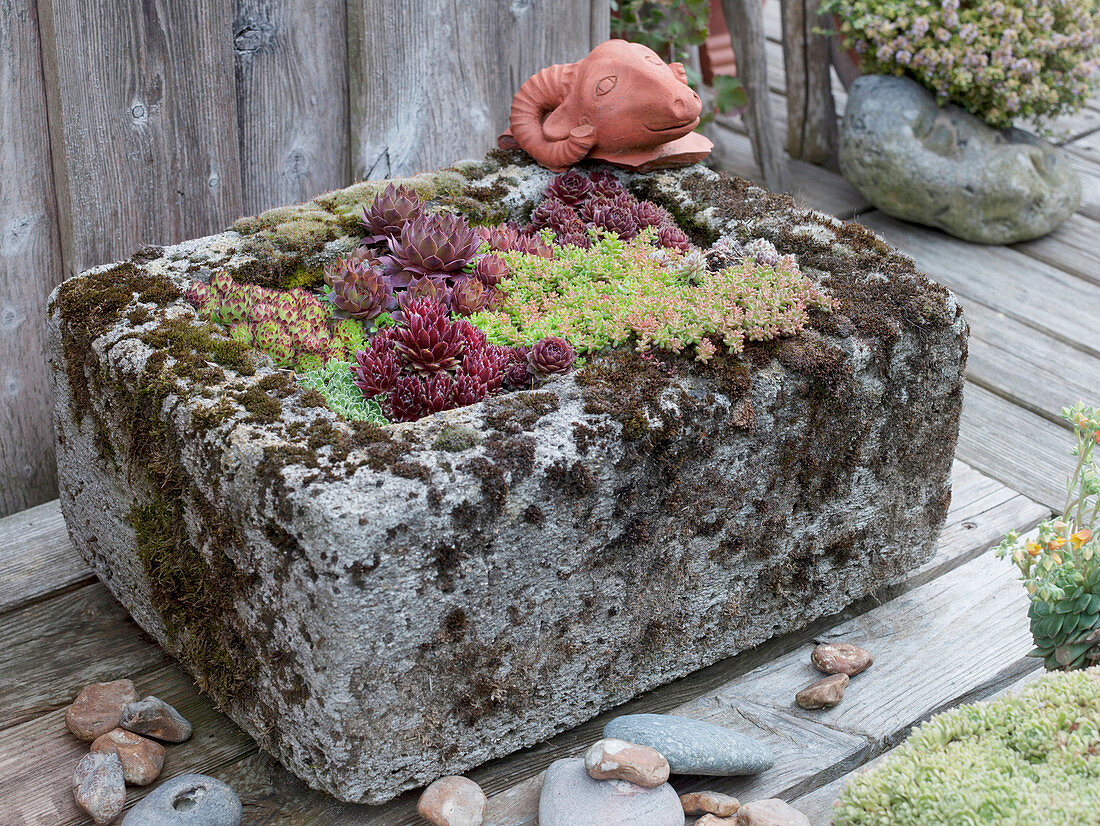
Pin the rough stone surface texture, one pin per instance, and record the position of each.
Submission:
(98, 708)
(693, 746)
(453, 801)
(841, 658)
(99, 786)
(942, 166)
(714, 803)
(770, 812)
(715, 820)
(383, 606)
(570, 797)
(153, 717)
(620, 760)
(142, 759)
(187, 800)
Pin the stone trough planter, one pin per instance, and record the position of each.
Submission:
(379, 606)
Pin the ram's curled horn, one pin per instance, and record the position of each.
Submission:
(537, 98)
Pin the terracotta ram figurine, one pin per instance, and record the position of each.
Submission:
(621, 104)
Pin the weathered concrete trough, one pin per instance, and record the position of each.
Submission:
(379, 606)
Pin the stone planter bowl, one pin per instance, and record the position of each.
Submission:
(380, 606)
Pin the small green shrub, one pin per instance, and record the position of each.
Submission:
(618, 291)
(998, 59)
(1025, 760)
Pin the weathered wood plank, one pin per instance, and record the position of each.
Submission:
(54, 648)
(1090, 183)
(36, 557)
(1022, 449)
(431, 82)
(981, 511)
(1038, 295)
(37, 758)
(30, 265)
(746, 26)
(151, 156)
(1029, 368)
(811, 110)
(292, 99)
(1072, 247)
(818, 804)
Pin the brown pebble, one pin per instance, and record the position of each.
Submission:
(99, 786)
(770, 812)
(453, 801)
(825, 693)
(714, 820)
(155, 718)
(714, 803)
(841, 658)
(98, 708)
(611, 759)
(142, 758)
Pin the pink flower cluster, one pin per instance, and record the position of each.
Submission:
(429, 363)
(1000, 60)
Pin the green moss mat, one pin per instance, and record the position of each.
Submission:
(1032, 758)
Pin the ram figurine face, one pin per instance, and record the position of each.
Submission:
(621, 103)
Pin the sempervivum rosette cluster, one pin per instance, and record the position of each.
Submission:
(389, 212)
(292, 327)
(358, 286)
(575, 203)
(430, 362)
(508, 237)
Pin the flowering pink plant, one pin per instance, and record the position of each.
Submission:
(999, 59)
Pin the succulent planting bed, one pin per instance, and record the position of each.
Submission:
(442, 514)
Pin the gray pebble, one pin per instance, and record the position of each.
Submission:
(187, 800)
(152, 717)
(693, 746)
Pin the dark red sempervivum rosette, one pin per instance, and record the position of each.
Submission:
(468, 296)
(435, 243)
(517, 375)
(389, 212)
(673, 238)
(549, 356)
(359, 287)
(571, 188)
(604, 184)
(614, 218)
(376, 368)
(427, 340)
(648, 214)
(491, 270)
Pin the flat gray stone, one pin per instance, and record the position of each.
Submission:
(570, 797)
(693, 746)
(187, 800)
(942, 166)
(377, 611)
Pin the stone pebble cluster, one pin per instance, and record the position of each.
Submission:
(127, 734)
(622, 779)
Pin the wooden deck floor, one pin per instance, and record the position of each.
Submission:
(953, 631)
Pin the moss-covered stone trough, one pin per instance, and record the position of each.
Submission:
(382, 605)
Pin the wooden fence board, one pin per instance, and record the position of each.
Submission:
(292, 99)
(152, 155)
(432, 82)
(30, 265)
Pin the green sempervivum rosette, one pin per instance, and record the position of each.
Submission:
(1060, 567)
